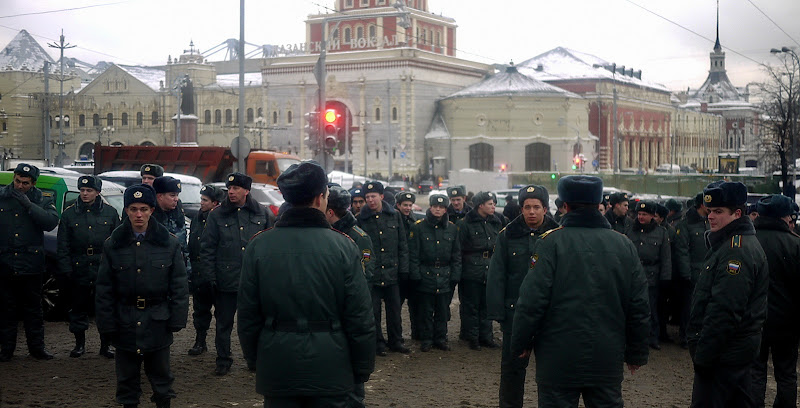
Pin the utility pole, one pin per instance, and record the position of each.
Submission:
(389, 124)
(47, 146)
(241, 155)
(61, 46)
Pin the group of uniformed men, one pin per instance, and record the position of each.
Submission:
(583, 298)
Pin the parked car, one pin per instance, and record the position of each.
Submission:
(63, 188)
(190, 187)
(402, 185)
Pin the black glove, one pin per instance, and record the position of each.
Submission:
(22, 198)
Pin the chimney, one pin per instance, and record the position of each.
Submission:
(539, 68)
(704, 107)
(638, 74)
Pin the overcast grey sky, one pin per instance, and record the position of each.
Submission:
(145, 32)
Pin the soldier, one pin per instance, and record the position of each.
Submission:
(150, 172)
(477, 233)
(652, 243)
(512, 209)
(667, 301)
(603, 206)
(510, 263)
(142, 298)
(752, 211)
(729, 304)
(618, 214)
(404, 203)
(458, 207)
(435, 267)
(229, 228)
(385, 228)
(690, 251)
(582, 338)
(25, 213)
(305, 319)
(358, 200)
(675, 211)
(560, 210)
(781, 334)
(202, 290)
(344, 221)
(84, 227)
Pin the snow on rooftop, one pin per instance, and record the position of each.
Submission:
(512, 83)
(562, 63)
(23, 51)
(151, 77)
(232, 80)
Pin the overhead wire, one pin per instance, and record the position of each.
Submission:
(773, 21)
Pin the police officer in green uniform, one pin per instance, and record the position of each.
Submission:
(150, 172)
(675, 213)
(169, 213)
(305, 319)
(690, 254)
(358, 202)
(342, 220)
(142, 298)
(25, 213)
(652, 243)
(201, 289)
(477, 233)
(582, 305)
(667, 299)
(510, 263)
(435, 267)
(228, 230)
(404, 203)
(781, 333)
(729, 305)
(84, 227)
(458, 207)
(385, 228)
(618, 214)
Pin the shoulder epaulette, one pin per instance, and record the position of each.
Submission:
(418, 221)
(343, 234)
(451, 222)
(47, 194)
(258, 233)
(501, 231)
(359, 231)
(736, 241)
(546, 233)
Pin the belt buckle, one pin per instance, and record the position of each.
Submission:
(141, 303)
(90, 251)
(437, 264)
(485, 254)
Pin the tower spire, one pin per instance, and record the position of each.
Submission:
(717, 46)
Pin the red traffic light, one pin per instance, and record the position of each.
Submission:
(331, 119)
(331, 116)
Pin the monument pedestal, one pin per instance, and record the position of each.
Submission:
(188, 130)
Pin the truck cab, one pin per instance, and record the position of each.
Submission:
(265, 166)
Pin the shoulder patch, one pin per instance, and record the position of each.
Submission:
(546, 233)
(366, 254)
(736, 241)
(534, 258)
(733, 267)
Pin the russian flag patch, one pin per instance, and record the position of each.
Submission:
(733, 267)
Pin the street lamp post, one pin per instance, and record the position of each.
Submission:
(109, 130)
(793, 107)
(258, 130)
(615, 140)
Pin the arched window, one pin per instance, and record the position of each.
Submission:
(537, 157)
(373, 32)
(359, 32)
(377, 114)
(228, 116)
(147, 143)
(289, 117)
(207, 117)
(139, 119)
(154, 118)
(217, 117)
(394, 113)
(249, 115)
(81, 120)
(124, 119)
(274, 117)
(86, 152)
(110, 119)
(95, 120)
(66, 120)
(260, 113)
(481, 157)
(347, 35)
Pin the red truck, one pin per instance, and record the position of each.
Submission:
(208, 163)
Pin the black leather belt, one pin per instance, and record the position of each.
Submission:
(484, 254)
(142, 303)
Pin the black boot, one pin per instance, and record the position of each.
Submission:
(199, 344)
(105, 347)
(80, 345)
(163, 403)
(130, 406)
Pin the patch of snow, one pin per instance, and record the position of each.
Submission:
(24, 51)
(152, 77)
(232, 80)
